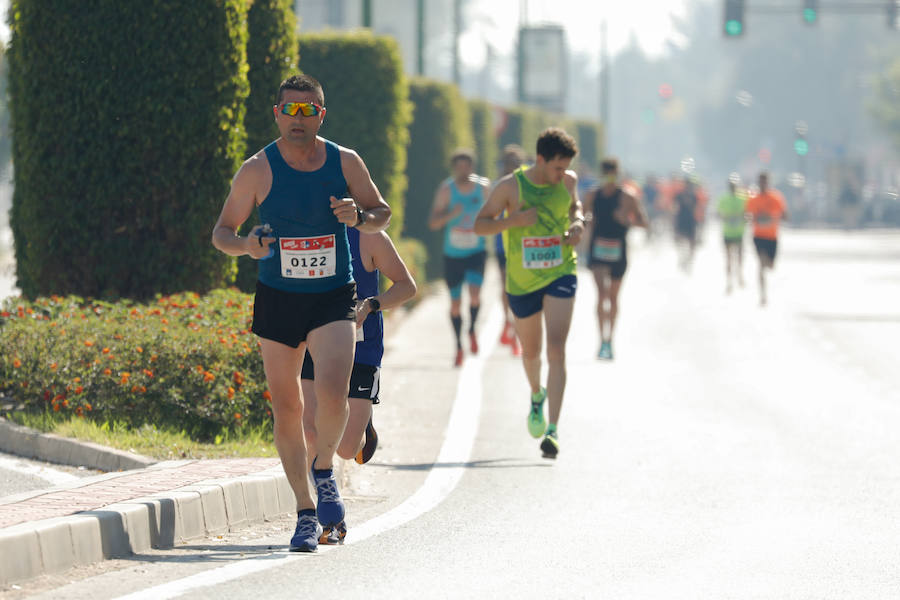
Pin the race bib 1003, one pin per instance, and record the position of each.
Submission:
(541, 252)
(308, 257)
(607, 250)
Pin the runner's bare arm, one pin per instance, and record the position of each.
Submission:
(637, 212)
(385, 258)
(440, 216)
(489, 222)
(576, 214)
(243, 197)
(376, 212)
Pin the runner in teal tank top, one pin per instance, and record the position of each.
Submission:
(308, 190)
(456, 204)
(543, 223)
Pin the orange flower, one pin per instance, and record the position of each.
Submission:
(139, 350)
(148, 372)
(79, 389)
(230, 393)
(105, 351)
(65, 403)
(87, 406)
(238, 377)
(165, 320)
(58, 397)
(267, 395)
(53, 367)
(153, 358)
(119, 336)
(5, 314)
(88, 343)
(77, 380)
(79, 411)
(55, 407)
(237, 416)
(107, 371)
(17, 363)
(199, 368)
(208, 376)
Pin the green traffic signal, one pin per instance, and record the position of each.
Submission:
(801, 147)
(810, 15)
(733, 27)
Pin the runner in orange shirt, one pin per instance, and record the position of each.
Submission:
(767, 209)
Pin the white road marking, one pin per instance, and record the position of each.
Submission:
(455, 451)
(46, 473)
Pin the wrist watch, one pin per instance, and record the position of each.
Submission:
(360, 219)
(374, 304)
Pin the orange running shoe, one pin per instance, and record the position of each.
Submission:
(516, 346)
(505, 338)
(473, 342)
(459, 358)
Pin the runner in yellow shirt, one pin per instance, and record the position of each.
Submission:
(543, 224)
(731, 208)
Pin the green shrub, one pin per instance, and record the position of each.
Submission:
(272, 58)
(183, 362)
(4, 113)
(368, 104)
(117, 189)
(441, 124)
(486, 149)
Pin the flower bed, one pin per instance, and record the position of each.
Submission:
(185, 362)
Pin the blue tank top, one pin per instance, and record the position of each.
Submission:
(370, 349)
(311, 253)
(460, 239)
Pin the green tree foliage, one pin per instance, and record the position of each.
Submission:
(127, 127)
(590, 143)
(885, 106)
(367, 102)
(523, 125)
(272, 58)
(486, 150)
(441, 124)
(4, 113)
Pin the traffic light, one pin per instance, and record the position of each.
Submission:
(893, 14)
(801, 146)
(810, 11)
(734, 18)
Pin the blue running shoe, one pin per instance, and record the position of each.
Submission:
(330, 507)
(605, 351)
(307, 533)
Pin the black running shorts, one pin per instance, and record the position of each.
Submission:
(766, 247)
(365, 380)
(288, 317)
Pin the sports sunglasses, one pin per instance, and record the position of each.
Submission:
(307, 109)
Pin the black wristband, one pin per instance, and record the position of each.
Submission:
(373, 303)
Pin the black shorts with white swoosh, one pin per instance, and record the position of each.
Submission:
(364, 380)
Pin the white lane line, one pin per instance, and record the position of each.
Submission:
(455, 451)
(46, 473)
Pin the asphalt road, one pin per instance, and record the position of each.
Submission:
(19, 475)
(729, 451)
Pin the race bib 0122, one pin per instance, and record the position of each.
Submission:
(308, 257)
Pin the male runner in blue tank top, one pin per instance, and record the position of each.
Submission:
(456, 204)
(614, 210)
(305, 295)
(373, 255)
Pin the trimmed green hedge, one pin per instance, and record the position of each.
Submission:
(128, 124)
(441, 124)
(272, 58)
(368, 104)
(4, 113)
(486, 150)
(590, 143)
(523, 125)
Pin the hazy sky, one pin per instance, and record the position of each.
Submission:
(648, 20)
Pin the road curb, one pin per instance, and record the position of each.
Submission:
(135, 526)
(29, 443)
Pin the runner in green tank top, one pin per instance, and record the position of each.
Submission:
(732, 208)
(543, 224)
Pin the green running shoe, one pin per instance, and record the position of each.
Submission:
(550, 445)
(537, 425)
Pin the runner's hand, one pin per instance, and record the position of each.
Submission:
(362, 311)
(345, 210)
(523, 218)
(574, 233)
(258, 247)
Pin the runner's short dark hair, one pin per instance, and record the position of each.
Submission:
(462, 154)
(301, 83)
(555, 142)
(609, 165)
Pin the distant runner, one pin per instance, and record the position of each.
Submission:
(767, 209)
(543, 223)
(614, 209)
(513, 157)
(686, 205)
(732, 210)
(456, 203)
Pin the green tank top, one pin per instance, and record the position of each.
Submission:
(731, 208)
(536, 255)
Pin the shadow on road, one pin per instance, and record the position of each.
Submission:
(496, 463)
